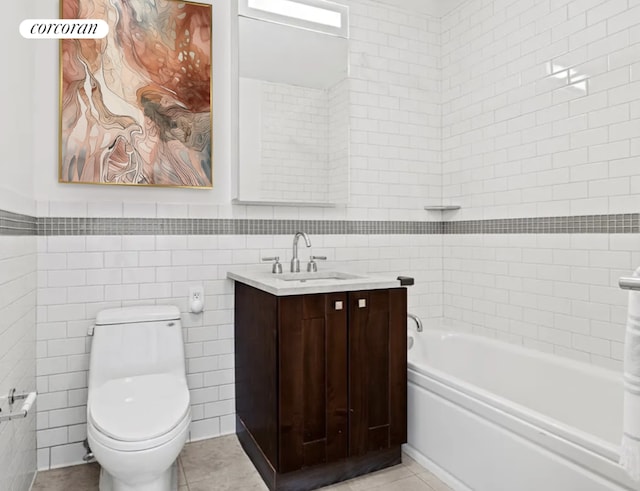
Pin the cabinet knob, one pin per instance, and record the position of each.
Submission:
(362, 303)
(339, 305)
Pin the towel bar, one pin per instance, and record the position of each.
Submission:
(629, 283)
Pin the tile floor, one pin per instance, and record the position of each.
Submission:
(221, 465)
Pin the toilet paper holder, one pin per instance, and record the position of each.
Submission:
(28, 398)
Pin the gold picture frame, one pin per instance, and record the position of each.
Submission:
(136, 107)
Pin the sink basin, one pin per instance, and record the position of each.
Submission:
(320, 275)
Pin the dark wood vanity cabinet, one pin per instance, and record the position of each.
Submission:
(321, 383)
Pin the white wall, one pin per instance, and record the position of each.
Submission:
(285, 140)
(17, 254)
(541, 118)
(78, 276)
(17, 358)
(16, 87)
(541, 108)
(395, 112)
(295, 143)
(46, 96)
(339, 142)
(395, 118)
(557, 293)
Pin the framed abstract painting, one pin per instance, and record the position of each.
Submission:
(136, 106)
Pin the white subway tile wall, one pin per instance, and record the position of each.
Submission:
(395, 112)
(540, 107)
(338, 169)
(294, 143)
(556, 293)
(540, 102)
(74, 285)
(17, 358)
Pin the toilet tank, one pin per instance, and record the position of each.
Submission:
(136, 341)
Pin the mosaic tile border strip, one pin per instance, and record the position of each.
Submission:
(586, 224)
(12, 224)
(191, 226)
(16, 224)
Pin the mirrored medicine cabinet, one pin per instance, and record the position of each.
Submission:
(292, 111)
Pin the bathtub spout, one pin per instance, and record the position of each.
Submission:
(417, 320)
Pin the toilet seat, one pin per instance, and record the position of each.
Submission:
(140, 411)
(120, 446)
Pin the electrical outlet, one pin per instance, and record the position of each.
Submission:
(196, 299)
(195, 293)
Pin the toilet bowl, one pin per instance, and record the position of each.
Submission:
(138, 409)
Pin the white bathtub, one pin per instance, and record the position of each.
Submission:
(489, 416)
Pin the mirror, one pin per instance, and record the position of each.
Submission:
(293, 112)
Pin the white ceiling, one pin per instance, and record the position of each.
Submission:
(436, 8)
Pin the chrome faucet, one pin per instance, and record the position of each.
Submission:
(295, 262)
(417, 320)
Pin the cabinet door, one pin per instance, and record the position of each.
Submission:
(377, 370)
(313, 399)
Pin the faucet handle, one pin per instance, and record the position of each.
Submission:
(312, 266)
(277, 267)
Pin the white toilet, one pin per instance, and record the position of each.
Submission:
(138, 410)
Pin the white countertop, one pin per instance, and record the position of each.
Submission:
(305, 283)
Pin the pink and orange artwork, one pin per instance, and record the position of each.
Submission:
(135, 106)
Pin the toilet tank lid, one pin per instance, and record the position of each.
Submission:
(128, 315)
